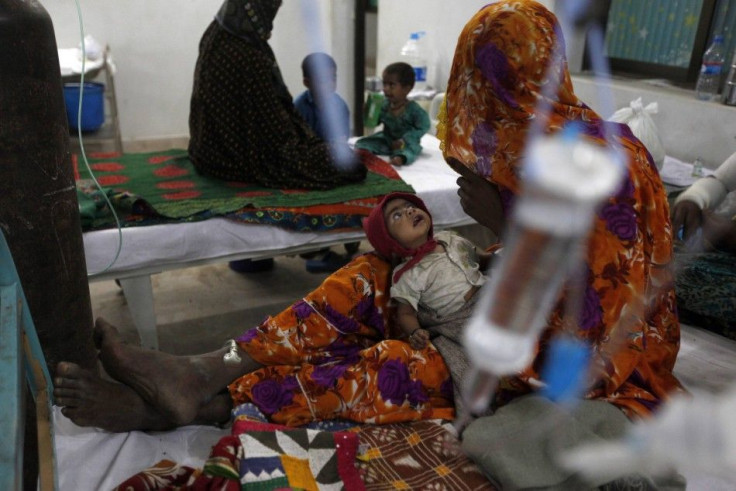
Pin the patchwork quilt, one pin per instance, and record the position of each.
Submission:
(329, 455)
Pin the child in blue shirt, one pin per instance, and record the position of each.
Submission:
(329, 117)
(322, 108)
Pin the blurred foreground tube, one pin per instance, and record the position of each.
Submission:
(565, 181)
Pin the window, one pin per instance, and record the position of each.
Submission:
(666, 38)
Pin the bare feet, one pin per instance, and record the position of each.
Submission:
(176, 386)
(89, 400)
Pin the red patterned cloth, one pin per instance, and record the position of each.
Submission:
(263, 456)
(419, 455)
(163, 187)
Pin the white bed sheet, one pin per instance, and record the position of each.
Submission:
(90, 458)
(156, 248)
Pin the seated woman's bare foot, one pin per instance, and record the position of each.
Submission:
(176, 386)
(89, 400)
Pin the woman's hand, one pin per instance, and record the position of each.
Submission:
(686, 215)
(479, 198)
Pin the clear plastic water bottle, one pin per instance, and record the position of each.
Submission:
(709, 79)
(413, 53)
(698, 168)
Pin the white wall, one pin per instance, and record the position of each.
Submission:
(301, 27)
(689, 128)
(440, 19)
(154, 45)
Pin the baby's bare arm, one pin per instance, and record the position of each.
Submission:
(406, 318)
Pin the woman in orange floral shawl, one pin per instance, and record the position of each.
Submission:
(499, 74)
(330, 355)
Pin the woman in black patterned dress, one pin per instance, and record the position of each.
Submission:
(243, 124)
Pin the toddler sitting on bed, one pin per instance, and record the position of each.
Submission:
(434, 285)
(404, 121)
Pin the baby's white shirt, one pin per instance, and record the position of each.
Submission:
(440, 280)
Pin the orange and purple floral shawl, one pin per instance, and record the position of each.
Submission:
(331, 355)
(499, 73)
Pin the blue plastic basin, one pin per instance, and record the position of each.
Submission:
(93, 105)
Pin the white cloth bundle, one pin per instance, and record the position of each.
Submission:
(639, 119)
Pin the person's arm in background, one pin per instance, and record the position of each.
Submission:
(301, 104)
(705, 194)
(344, 119)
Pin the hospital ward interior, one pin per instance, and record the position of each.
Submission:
(368, 244)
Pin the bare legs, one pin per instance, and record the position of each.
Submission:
(157, 390)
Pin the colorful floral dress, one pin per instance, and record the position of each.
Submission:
(505, 64)
(330, 355)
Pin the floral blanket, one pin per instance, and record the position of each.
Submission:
(163, 187)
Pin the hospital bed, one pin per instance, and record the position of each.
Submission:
(157, 248)
(95, 459)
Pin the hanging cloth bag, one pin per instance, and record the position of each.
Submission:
(639, 119)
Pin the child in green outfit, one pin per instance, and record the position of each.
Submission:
(404, 121)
